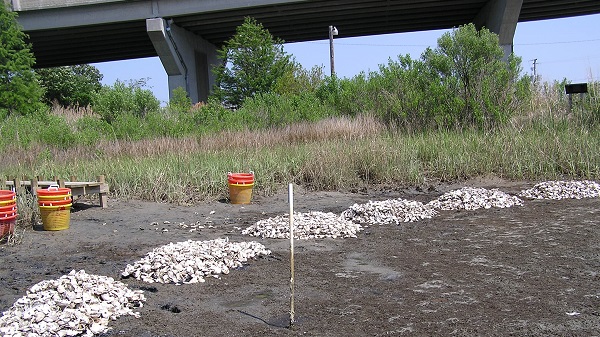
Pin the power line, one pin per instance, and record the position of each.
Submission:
(338, 42)
(591, 57)
(385, 45)
(555, 42)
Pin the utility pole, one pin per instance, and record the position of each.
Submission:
(332, 31)
(534, 70)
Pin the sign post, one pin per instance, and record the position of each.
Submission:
(575, 88)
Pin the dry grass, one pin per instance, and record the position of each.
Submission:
(334, 128)
(72, 113)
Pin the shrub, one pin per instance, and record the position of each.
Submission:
(55, 131)
(91, 129)
(329, 91)
(213, 116)
(271, 109)
(38, 127)
(179, 102)
(299, 80)
(124, 99)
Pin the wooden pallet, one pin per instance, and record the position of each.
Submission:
(78, 188)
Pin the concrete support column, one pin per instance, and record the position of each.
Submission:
(187, 58)
(501, 17)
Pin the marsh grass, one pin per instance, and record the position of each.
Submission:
(349, 157)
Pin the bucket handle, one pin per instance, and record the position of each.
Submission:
(229, 173)
(54, 187)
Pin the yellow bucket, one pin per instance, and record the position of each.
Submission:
(56, 218)
(240, 193)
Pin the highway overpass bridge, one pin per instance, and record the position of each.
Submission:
(185, 34)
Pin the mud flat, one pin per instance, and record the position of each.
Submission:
(530, 270)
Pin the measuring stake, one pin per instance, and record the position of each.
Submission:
(291, 201)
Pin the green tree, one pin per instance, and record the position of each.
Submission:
(253, 62)
(468, 68)
(70, 85)
(20, 91)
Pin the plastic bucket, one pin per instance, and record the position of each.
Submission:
(54, 197)
(53, 192)
(7, 214)
(55, 218)
(240, 187)
(8, 203)
(7, 198)
(55, 202)
(7, 195)
(240, 178)
(7, 225)
(9, 208)
(240, 193)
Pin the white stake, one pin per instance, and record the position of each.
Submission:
(291, 201)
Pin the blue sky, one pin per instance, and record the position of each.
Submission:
(564, 48)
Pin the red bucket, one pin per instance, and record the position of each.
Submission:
(4, 215)
(9, 208)
(6, 195)
(240, 187)
(240, 178)
(54, 191)
(7, 224)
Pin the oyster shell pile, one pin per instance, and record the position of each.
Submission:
(311, 225)
(192, 227)
(393, 211)
(72, 305)
(558, 190)
(472, 198)
(191, 261)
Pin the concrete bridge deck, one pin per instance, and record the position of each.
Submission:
(64, 32)
(86, 31)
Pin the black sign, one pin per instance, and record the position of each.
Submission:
(576, 88)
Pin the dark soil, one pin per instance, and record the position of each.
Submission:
(522, 271)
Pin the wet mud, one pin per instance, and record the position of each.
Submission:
(529, 270)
